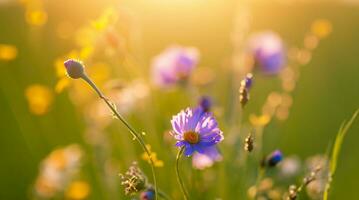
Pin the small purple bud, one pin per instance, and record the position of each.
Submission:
(75, 69)
(206, 103)
(274, 158)
(149, 194)
(248, 80)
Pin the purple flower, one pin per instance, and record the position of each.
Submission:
(207, 158)
(268, 52)
(195, 130)
(173, 65)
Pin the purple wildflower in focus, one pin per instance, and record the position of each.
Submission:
(268, 52)
(173, 65)
(206, 103)
(195, 130)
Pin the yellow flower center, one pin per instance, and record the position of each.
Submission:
(191, 137)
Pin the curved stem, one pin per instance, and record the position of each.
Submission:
(179, 179)
(137, 136)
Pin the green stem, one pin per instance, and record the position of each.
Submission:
(137, 136)
(261, 173)
(163, 195)
(179, 179)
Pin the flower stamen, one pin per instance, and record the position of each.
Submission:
(191, 137)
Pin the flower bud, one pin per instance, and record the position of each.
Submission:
(75, 69)
(272, 159)
(206, 103)
(247, 81)
(148, 194)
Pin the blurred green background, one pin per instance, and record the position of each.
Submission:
(327, 92)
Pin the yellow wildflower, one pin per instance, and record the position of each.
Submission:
(36, 17)
(321, 28)
(259, 120)
(39, 98)
(153, 155)
(78, 190)
(7, 52)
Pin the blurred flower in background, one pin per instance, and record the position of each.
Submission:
(267, 51)
(321, 28)
(290, 166)
(35, 14)
(315, 188)
(78, 190)
(174, 65)
(206, 159)
(39, 98)
(7, 52)
(57, 171)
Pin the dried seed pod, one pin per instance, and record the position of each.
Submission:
(243, 96)
(249, 143)
(292, 192)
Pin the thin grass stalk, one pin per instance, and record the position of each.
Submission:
(134, 133)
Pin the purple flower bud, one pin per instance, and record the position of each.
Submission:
(274, 158)
(149, 194)
(75, 69)
(248, 80)
(206, 103)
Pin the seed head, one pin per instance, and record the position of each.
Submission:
(134, 180)
(243, 96)
(292, 192)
